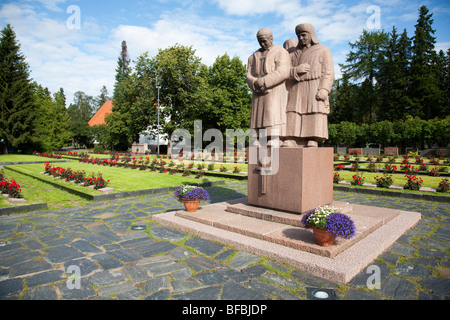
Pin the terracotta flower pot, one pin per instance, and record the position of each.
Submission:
(323, 237)
(191, 205)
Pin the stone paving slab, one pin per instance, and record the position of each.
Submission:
(420, 257)
(342, 261)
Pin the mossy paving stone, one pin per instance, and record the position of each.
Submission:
(80, 229)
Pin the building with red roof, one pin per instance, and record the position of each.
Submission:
(99, 117)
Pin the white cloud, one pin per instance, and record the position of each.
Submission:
(254, 7)
(210, 37)
(55, 54)
(444, 46)
(52, 5)
(85, 59)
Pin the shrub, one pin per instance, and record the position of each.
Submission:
(444, 186)
(11, 188)
(355, 166)
(388, 168)
(413, 182)
(79, 176)
(337, 177)
(372, 167)
(97, 182)
(433, 172)
(199, 174)
(384, 181)
(358, 180)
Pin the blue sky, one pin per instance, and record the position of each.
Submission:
(74, 44)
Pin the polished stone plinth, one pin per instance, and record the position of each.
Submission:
(295, 179)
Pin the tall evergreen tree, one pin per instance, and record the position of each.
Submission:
(394, 77)
(17, 108)
(123, 69)
(52, 121)
(440, 68)
(343, 101)
(80, 112)
(119, 122)
(101, 98)
(424, 89)
(363, 66)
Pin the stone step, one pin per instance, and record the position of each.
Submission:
(378, 229)
(285, 228)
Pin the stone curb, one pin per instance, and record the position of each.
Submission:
(137, 193)
(24, 208)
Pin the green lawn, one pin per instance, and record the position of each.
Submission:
(230, 166)
(35, 191)
(6, 158)
(399, 179)
(121, 179)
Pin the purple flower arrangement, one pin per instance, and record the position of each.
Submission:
(329, 218)
(188, 192)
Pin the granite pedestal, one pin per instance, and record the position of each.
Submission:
(295, 180)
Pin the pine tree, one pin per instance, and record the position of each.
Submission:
(123, 69)
(363, 66)
(394, 77)
(440, 68)
(119, 121)
(424, 89)
(52, 119)
(17, 108)
(101, 99)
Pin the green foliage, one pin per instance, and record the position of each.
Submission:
(411, 132)
(53, 122)
(389, 77)
(17, 107)
(80, 112)
(189, 91)
(230, 98)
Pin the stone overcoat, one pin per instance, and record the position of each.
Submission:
(269, 108)
(303, 88)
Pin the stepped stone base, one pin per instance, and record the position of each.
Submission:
(277, 235)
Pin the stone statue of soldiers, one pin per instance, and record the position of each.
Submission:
(267, 70)
(310, 81)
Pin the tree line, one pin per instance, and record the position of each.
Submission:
(31, 117)
(390, 76)
(394, 90)
(188, 91)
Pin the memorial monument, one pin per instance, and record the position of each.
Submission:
(293, 175)
(289, 174)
